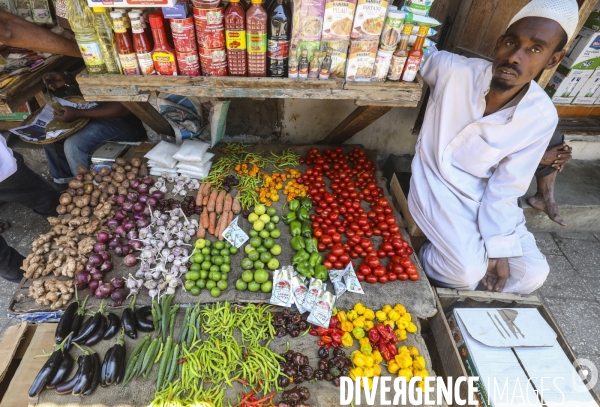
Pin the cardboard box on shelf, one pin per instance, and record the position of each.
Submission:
(585, 51)
(566, 84)
(131, 3)
(593, 20)
(590, 92)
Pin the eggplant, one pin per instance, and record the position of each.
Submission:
(114, 324)
(79, 317)
(142, 321)
(128, 322)
(96, 366)
(103, 370)
(64, 324)
(98, 333)
(115, 361)
(46, 372)
(86, 376)
(67, 387)
(63, 371)
(90, 327)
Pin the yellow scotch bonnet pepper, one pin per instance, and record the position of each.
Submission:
(369, 314)
(359, 308)
(347, 340)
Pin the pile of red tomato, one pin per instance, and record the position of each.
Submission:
(340, 214)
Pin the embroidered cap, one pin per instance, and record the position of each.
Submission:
(564, 12)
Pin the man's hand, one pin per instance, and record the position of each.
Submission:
(70, 114)
(557, 156)
(496, 275)
(55, 80)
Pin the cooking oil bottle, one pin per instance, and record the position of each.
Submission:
(81, 20)
(107, 40)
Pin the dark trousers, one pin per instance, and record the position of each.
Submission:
(31, 190)
(544, 170)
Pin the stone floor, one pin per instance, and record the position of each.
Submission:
(571, 292)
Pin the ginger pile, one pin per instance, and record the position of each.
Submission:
(52, 293)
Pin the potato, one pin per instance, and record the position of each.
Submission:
(120, 169)
(125, 183)
(116, 183)
(103, 197)
(70, 207)
(78, 177)
(71, 192)
(130, 175)
(119, 177)
(81, 169)
(135, 171)
(65, 199)
(94, 173)
(94, 202)
(80, 191)
(121, 162)
(136, 162)
(104, 171)
(96, 193)
(127, 168)
(76, 212)
(88, 177)
(61, 209)
(86, 211)
(88, 188)
(75, 184)
(111, 190)
(98, 178)
(143, 170)
(107, 179)
(122, 191)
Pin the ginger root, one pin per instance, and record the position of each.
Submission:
(53, 293)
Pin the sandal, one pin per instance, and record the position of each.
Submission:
(4, 226)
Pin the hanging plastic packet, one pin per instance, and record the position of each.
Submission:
(337, 278)
(321, 312)
(282, 288)
(300, 290)
(315, 288)
(352, 283)
(235, 234)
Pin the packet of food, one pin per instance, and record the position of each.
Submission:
(282, 288)
(337, 278)
(352, 283)
(337, 23)
(315, 287)
(420, 7)
(307, 20)
(369, 19)
(300, 291)
(417, 19)
(338, 57)
(361, 60)
(321, 312)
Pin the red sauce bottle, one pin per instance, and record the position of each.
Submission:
(256, 33)
(235, 38)
(124, 45)
(162, 55)
(141, 45)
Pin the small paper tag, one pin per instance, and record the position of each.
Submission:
(336, 277)
(234, 234)
(352, 283)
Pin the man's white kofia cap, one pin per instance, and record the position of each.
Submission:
(564, 12)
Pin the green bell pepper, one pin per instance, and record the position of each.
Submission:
(311, 245)
(294, 205)
(300, 256)
(306, 203)
(306, 229)
(297, 243)
(315, 259)
(303, 214)
(295, 228)
(305, 269)
(289, 217)
(321, 272)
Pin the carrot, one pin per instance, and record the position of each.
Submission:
(212, 201)
(206, 190)
(205, 199)
(230, 218)
(204, 219)
(199, 197)
(201, 232)
(228, 203)
(236, 206)
(212, 220)
(220, 201)
(221, 227)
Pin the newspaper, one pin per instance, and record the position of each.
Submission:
(36, 131)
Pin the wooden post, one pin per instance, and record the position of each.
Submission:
(149, 115)
(359, 119)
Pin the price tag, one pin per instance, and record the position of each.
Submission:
(352, 283)
(336, 277)
(234, 234)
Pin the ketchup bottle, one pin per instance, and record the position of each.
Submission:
(141, 44)
(235, 37)
(124, 45)
(162, 55)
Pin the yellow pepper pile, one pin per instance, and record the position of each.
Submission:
(295, 190)
(408, 363)
(245, 169)
(268, 192)
(358, 320)
(397, 318)
(366, 365)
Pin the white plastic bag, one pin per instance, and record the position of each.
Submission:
(163, 154)
(191, 151)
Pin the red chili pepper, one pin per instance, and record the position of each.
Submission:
(313, 332)
(328, 345)
(320, 343)
(383, 332)
(382, 345)
(392, 348)
(334, 322)
(374, 335)
(323, 331)
(386, 355)
(326, 339)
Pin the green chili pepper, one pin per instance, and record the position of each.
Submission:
(306, 203)
(303, 214)
(315, 259)
(297, 243)
(311, 245)
(321, 272)
(306, 230)
(289, 217)
(301, 255)
(305, 269)
(295, 228)
(294, 205)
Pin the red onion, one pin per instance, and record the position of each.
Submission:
(136, 244)
(120, 231)
(148, 181)
(89, 267)
(93, 285)
(143, 198)
(152, 201)
(96, 274)
(104, 236)
(119, 251)
(141, 223)
(95, 259)
(127, 249)
(128, 225)
(134, 183)
(146, 211)
(158, 195)
(103, 290)
(118, 296)
(113, 200)
(143, 188)
(120, 199)
(120, 215)
(114, 242)
(105, 255)
(132, 234)
(127, 206)
(99, 247)
(112, 223)
(130, 260)
(82, 279)
(107, 266)
(133, 196)
(139, 216)
(118, 282)
(138, 207)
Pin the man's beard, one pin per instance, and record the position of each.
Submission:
(498, 85)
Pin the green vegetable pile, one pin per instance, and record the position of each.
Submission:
(210, 267)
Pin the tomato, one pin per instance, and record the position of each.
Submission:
(372, 187)
(380, 218)
(381, 254)
(317, 232)
(371, 279)
(360, 277)
(391, 277)
(405, 262)
(383, 279)
(319, 209)
(353, 254)
(336, 237)
(403, 277)
(411, 270)
(409, 250)
(326, 239)
(372, 261)
(354, 240)
(379, 271)
(413, 277)
(332, 257)
(337, 250)
(383, 226)
(385, 234)
(344, 258)
(328, 264)
(372, 215)
(397, 269)
(338, 265)
(362, 221)
(321, 247)
(368, 233)
(378, 210)
(387, 247)
(341, 229)
(376, 231)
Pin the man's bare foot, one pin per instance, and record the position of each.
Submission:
(547, 205)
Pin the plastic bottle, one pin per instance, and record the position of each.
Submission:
(325, 70)
(303, 65)
(81, 20)
(400, 55)
(124, 45)
(107, 40)
(256, 34)
(141, 44)
(145, 24)
(278, 37)
(235, 39)
(162, 55)
(415, 56)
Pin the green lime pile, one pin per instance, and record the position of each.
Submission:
(210, 267)
(261, 251)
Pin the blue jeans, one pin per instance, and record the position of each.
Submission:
(66, 155)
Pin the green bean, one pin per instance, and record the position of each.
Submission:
(149, 358)
(138, 367)
(172, 320)
(163, 363)
(173, 364)
(166, 304)
(157, 325)
(183, 329)
(130, 369)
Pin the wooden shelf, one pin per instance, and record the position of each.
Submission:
(138, 88)
(577, 111)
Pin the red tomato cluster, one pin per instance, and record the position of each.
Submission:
(340, 213)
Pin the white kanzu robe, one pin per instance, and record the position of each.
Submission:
(469, 171)
(8, 164)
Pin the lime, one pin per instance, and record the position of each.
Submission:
(203, 274)
(255, 242)
(214, 275)
(222, 284)
(215, 292)
(247, 264)
(206, 251)
(252, 218)
(253, 286)
(223, 276)
(269, 242)
(275, 219)
(241, 285)
(201, 283)
(273, 264)
(206, 265)
(200, 243)
(265, 257)
(219, 245)
(233, 250)
(276, 250)
(258, 225)
(261, 249)
(195, 267)
(207, 242)
(254, 255)
(215, 252)
(260, 209)
(271, 211)
(264, 234)
(214, 268)
(210, 284)
(259, 264)
(269, 226)
(225, 268)
(195, 291)
(197, 258)
(248, 249)
(253, 233)
(192, 275)
(226, 260)
(225, 252)
(266, 287)
(218, 260)
(189, 284)
(265, 218)
(275, 233)
(261, 275)
(247, 276)
(228, 245)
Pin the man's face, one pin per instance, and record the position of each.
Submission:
(524, 51)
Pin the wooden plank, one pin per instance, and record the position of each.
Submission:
(577, 111)
(149, 115)
(359, 119)
(479, 18)
(398, 194)
(580, 127)
(458, 26)
(7, 125)
(584, 12)
(502, 14)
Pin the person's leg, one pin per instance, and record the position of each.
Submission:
(10, 262)
(80, 145)
(57, 162)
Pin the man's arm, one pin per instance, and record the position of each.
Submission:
(16, 32)
(109, 110)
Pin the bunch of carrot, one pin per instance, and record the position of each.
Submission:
(219, 204)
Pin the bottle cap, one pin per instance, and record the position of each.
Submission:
(116, 14)
(156, 21)
(134, 14)
(256, 1)
(407, 29)
(423, 30)
(98, 9)
(234, 1)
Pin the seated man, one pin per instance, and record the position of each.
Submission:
(109, 121)
(486, 127)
